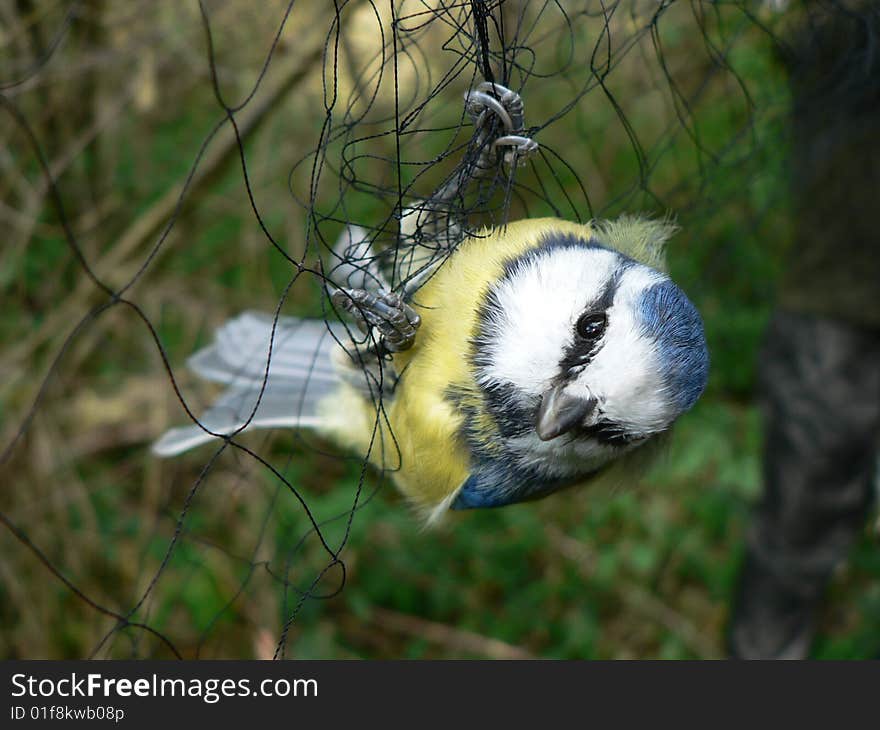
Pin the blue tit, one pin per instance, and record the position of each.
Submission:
(533, 358)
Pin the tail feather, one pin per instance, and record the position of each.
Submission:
(300, 374)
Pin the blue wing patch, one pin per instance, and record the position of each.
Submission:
(476, 493)
(496, 485)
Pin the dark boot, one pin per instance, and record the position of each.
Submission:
(820, 393)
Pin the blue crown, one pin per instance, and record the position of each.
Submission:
(671, 320)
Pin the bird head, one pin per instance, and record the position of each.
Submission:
(589, 345)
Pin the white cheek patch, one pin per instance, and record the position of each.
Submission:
(539, 305)
(624, 374)
(561, 457)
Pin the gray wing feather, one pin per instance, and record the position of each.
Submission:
(358, 265)
(300, 374)
(240, 352)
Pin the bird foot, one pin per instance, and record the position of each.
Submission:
(396, 322)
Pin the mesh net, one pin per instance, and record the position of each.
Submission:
(168, 165)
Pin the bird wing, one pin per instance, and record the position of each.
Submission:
(496, 483)
(275, 388)
(355, 264)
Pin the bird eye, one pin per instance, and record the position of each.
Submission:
(590, 326)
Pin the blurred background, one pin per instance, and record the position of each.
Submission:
(137, 216)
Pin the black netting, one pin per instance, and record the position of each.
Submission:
(168, 165)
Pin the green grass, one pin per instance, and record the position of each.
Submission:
(644, 569)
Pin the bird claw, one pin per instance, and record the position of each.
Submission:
(385, 311)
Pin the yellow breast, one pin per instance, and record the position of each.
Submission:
(419, 436)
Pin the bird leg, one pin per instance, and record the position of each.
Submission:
(396, 321)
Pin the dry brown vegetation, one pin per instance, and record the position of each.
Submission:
(101, 538)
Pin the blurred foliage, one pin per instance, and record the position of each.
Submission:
(638, 571)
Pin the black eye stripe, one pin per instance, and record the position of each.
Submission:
(585, 344)
(579, 354)
(606, 298)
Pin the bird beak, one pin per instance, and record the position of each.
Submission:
(560, 412)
